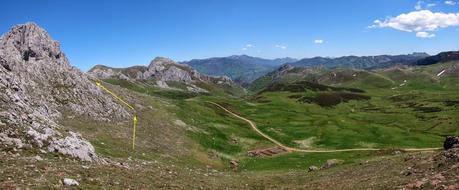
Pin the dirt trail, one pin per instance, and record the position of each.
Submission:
(292, 149)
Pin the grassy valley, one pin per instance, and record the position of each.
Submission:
(317, 117)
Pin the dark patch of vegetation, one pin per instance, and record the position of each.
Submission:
(295, 96)
(259, 99)
(403, 97)
(329, 99)
(452, 102)
(427, 109)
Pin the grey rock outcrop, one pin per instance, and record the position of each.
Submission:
(165, 69)
(70, 182)
(313, 168)
(37, 84)
(130, 73)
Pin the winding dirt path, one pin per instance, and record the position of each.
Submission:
(292, 149)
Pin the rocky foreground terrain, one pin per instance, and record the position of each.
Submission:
(37, 85)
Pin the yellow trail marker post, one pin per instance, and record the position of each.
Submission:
(129, 106)
(133, 131)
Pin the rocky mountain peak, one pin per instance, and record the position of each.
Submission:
(31, 42)
(161, 61)
(37, 84)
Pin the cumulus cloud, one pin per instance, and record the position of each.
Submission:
(452, 3)
(423, 22)
(318, 41)
(280, 46)
(431, 5)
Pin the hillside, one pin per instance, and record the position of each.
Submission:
(285, 73)
(441, 57)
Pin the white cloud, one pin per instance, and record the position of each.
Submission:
(247, 46)
(318, 41)
(423, 21)
(280, 46)
(419, 5)
(424, 35)
(452, 3)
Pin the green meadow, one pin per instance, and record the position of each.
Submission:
(417, 114)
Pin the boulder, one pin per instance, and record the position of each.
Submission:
(234, 164)
(313, 168)
(332, 163)
(70, 182)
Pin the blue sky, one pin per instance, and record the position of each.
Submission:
(123, 33)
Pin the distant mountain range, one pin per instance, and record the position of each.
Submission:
(366, 69)
(361, 62)
(242, 69)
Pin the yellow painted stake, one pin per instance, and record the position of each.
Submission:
(129, 106)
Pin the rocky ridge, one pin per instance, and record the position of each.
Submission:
(130, 73)
(161, 70)
(37, 86)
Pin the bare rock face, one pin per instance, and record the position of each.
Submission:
(37, 83)
(165, 69)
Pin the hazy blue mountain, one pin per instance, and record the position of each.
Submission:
(242, 69)
(361, 62)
